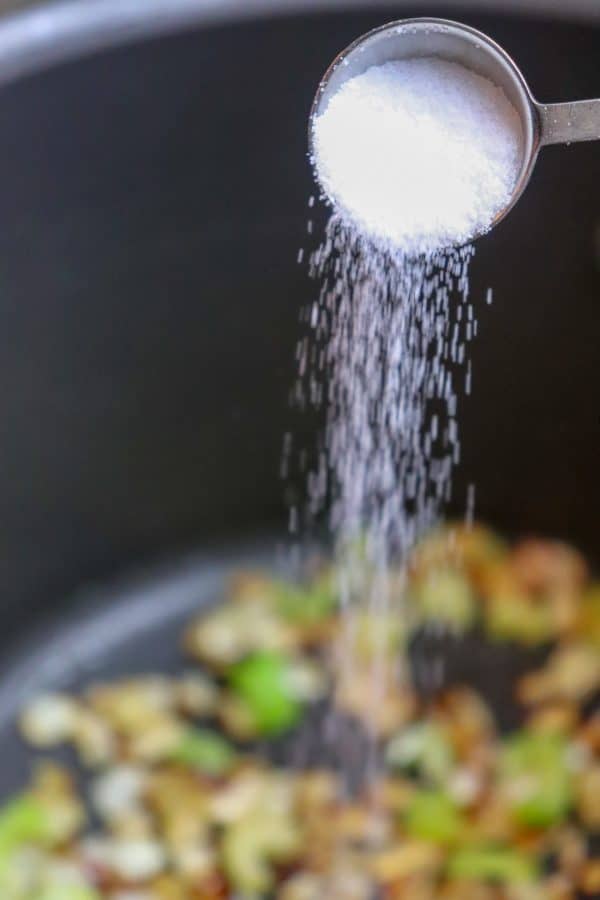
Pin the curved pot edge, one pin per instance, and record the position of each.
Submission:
(35, 36)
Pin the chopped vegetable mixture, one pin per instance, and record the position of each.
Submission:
(181, 802)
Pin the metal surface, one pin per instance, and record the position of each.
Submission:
(458, 43)
(38, 33)
(570, 123)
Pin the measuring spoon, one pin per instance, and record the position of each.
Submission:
(542, 123)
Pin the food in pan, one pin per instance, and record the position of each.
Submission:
(180, 790)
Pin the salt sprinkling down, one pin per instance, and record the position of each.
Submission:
(418, 157)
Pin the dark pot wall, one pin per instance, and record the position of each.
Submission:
(153, 202)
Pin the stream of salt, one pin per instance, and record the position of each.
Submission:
(418, 157)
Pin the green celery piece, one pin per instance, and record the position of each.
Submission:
(262, 682)
(206, 751)
(492, 864)
(306, 605)
(433, 816)
(539, 761)
(513, 619)
(247, 869)
(446, 596)
(250, 847)
(15, 882)
(67, 892)
(23, 820)
(32, 878)
(422, 747)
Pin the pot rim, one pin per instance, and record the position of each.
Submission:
(37, 35)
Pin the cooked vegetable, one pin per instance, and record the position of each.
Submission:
(450, 810)
(467, 721)
(511, 617)
(589, 879)
(499, 864)
(381, 712)
(66, 892)
(536, 778)
(434, 816)
(229, 633)
(23, 820)
(469, 548)
(306, 605)
(571, 673)
(560, 717)
(49, 720)
(446, 596)
(405, 860)
(587, 790)
(588, 620)
(374, 634)
(250, 848)
(263, 683)
(424, 748)
(549, 567)
(205, 751)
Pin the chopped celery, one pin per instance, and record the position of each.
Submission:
(251, 845)
(514, 618)
(537, 779)
(306, 605)
(67, 892)
(422, 747)
(471, 546)
(206, 751)
(263, 683)
(446, 596)
(492, 864)
(23, 820)
(433, 816)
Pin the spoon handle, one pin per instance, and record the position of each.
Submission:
(565, 123)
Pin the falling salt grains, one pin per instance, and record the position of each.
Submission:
(468, 378)
(422, 153)
(470, 510)
(417, 157)
(390, 332)
(293, 520)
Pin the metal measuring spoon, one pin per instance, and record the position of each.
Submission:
(543, 124)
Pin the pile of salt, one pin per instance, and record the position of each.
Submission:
(420, 153)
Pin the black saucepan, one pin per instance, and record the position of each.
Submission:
(153, 200)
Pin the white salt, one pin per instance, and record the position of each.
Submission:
(420, 153)
(392, 334)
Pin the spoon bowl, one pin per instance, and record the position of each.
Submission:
(458, 43)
